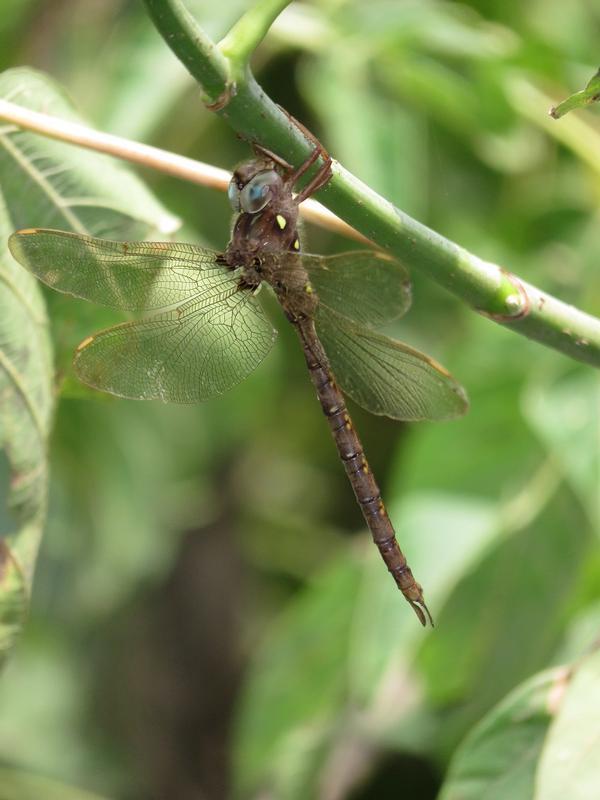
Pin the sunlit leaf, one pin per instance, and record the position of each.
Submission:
(582, 634)
(563, 411)
(44, 182)
(588, 95)
(25, 410)
(56, 185)
(498, 758)
(518, 593)
(570, 762)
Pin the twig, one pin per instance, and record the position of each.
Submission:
(152, 157)
(245, 36)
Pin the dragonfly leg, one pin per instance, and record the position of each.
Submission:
(320, 179)
(264, 151)
(322, 176)
(324, 172)
(307, 164)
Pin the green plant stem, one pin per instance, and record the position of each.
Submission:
(245, 36)
(486, 287)
(198, 53)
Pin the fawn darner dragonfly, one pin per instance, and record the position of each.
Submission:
(210, 332)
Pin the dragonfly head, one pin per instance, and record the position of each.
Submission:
(252, 186)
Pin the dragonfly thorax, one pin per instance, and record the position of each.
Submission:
(290, 281)
(264, 239)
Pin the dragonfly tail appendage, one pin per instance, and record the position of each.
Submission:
(422, 613)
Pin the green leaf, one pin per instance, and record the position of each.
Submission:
(383, 144)
(13, 599)
(349, 640)
(570, 762)
(590, 94)
(563, 411)
(498, 758)
(280, 749)
(383, 636)
(25, 413)
(582, 634)
(519, 593)
(43, 182)
(18, 785)
(55, 185)
(143, 85)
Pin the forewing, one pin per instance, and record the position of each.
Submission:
(185, 355)
(125, 275)
(365, 285)
(385, 376)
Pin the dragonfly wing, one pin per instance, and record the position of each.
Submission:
(184, 355)
(385, 376)
(365, 285)
(124, 275)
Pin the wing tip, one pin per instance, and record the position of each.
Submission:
(461, 393)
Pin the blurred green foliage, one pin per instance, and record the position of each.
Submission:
(209, 618)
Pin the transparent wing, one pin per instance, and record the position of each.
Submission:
(124, 275)
(385, 376)
(185, 355)
(364, 285)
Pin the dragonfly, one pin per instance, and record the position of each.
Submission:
(207, 329)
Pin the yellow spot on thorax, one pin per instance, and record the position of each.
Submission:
(296, 245)
(281, 221)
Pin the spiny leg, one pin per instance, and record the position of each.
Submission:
(317, 182)
(264, 151)
(322, 177)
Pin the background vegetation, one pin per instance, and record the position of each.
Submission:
(209, 618)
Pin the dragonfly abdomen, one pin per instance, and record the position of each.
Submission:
(359, 474)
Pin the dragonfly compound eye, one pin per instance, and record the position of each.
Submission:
(256, 193)
(233, 193)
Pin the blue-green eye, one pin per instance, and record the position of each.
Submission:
(233, 193)
(256, 193)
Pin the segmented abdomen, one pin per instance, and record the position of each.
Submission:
(357, 468)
